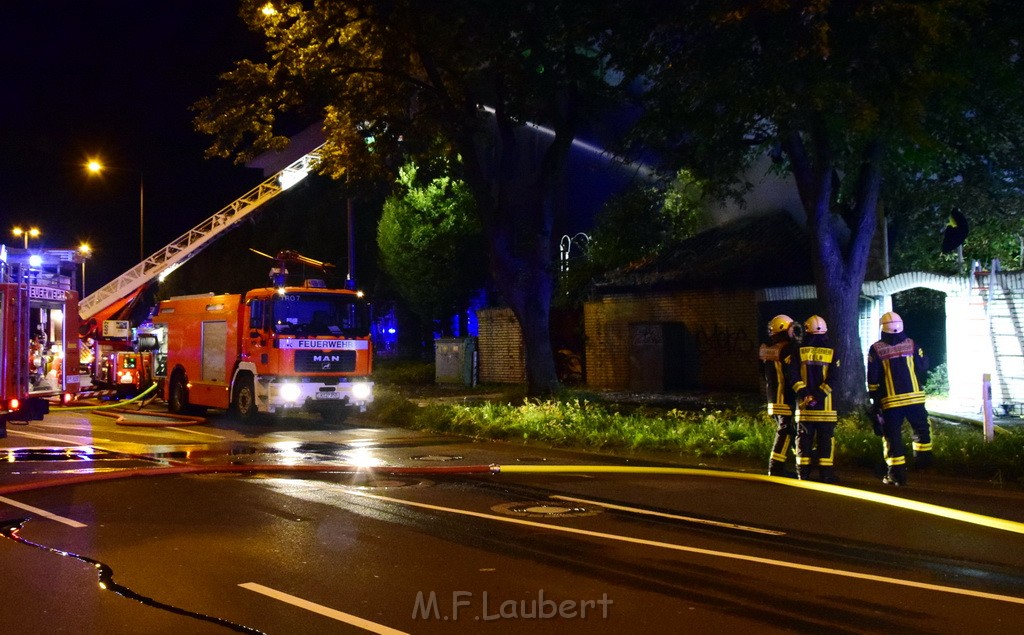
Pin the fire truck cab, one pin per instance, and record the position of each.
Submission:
(38, 332)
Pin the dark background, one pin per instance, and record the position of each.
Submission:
(116, 80)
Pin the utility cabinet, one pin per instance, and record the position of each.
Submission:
(455, 360)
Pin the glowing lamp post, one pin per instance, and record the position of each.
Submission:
(85, 251)
(26, 234)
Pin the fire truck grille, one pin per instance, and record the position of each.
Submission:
(325, 361)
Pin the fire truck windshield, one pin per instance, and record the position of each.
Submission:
(321, 314)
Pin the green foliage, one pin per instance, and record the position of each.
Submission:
(864, 93)
(398, 81)
(732, 434)
(430, 243)
(938, 381)
(635, 224)
(392, 408)
(403, 372)
(920, 208)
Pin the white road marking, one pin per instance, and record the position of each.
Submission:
(648, 512)
(706, 552)
(146, 431)
(202, 434)
(44, 437)
(320, 609)
(42, 512)
(62, 426)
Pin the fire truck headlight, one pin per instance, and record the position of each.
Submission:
(290, 392)
(361, 390)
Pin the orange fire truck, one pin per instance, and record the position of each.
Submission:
(38, 332)
(274, 350)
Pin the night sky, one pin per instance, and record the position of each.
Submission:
(114, 80)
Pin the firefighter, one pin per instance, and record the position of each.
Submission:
(775, 358)
(896, 371)
(815, 365)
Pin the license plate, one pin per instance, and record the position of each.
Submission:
(328, 395)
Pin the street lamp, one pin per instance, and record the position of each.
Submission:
(96, 167)
(85, 251)
(26, 233)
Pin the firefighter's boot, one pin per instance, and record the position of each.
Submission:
(923, 460)
(828, 475)
(897, 476)
(778, 468)
(803, 472)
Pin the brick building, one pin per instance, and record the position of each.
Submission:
(692, 317)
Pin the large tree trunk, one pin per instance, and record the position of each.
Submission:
(842, 313)
(526, 284)
(515, 183)
(839, 267)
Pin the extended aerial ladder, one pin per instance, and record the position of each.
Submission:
(196, 239)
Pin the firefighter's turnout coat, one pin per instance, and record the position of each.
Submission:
(896, 371)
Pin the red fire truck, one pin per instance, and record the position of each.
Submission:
(278, 349)
(38, 332)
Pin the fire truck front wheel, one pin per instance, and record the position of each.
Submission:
(243, 401)
(177, 399)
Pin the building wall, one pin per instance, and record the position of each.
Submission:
(720, 338)
(722, 330)
(985, 335)
(502, 353)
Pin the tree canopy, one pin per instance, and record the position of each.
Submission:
(430, 244)
(845, 96)
(635, 224)
(855, 100)
(503, 86)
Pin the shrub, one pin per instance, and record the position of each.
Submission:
(938, 381)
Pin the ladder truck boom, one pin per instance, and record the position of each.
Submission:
(199, 237)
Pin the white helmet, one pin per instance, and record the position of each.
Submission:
(891, 322)
(779, 324)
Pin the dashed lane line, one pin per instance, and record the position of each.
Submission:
(705, 552)
(202, 434)
(689, 519)
(92, 441)
(320, 609)
(42, 512)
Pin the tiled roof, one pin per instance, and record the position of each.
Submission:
(753, 252)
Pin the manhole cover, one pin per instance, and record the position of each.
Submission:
(545, 509)
(437, 457)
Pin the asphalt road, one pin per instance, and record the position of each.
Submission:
(150, 525)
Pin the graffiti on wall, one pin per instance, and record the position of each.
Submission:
(722, 339)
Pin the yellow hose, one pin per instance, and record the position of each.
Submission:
(118, 404)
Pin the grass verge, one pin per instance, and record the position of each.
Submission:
(579, 420)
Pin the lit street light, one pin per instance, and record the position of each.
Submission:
(95, 167)
(85, 251)
(26, 233)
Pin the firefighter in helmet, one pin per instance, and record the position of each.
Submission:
(776, 356)
(896, 373)
(814, 367)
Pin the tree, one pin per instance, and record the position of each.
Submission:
(430, 244)
(921, 208)
(461, 78)
(843, 95)
(636, 224)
